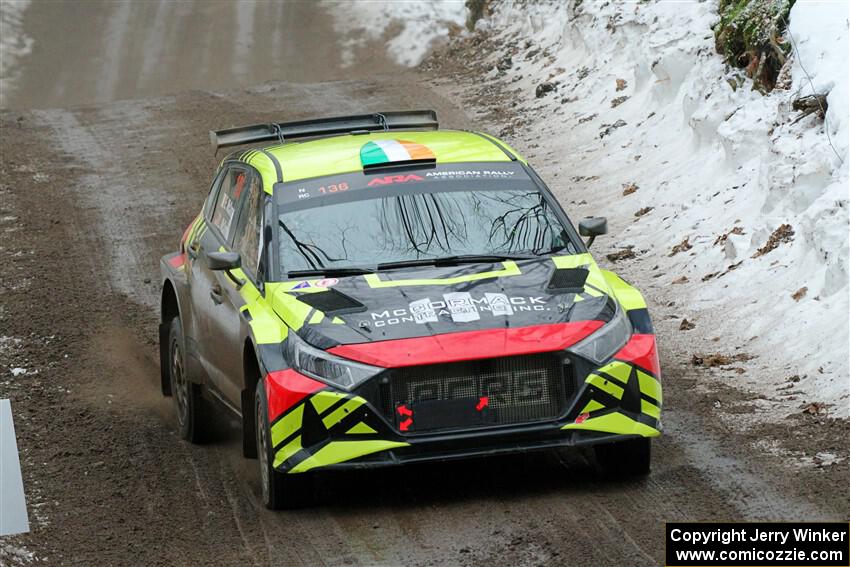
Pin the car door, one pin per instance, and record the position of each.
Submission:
(215, 299)
(228, 319)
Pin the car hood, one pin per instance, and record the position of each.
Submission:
(430, 301)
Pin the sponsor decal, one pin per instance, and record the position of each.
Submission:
(390, 179)
(459, 307)
(388, 151)
(469, 174)
(405, 411)
(423, 311)
(582, 418)
(499, 304)
(327, 282)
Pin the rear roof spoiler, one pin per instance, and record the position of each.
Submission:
(362, 123)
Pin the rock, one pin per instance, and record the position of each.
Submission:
(683, 246)
(629, 188)
(799, 294)
(686, 325)
(720, 240)
(809, 104)
(621, 84)
(717, 359)
(814, 408)
(682, 280)
(543, 89)
(783, 234)
(618, 101)
(642, 211)
(624, 254)
(505, 63)
(608, 128)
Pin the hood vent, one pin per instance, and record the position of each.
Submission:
(332, 302)
(568, 280)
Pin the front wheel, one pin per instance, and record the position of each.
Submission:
(279, 491)
(191, 410)
(628, 458)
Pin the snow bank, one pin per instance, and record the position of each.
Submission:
(819, 33)
(410, 29)
(640, 96)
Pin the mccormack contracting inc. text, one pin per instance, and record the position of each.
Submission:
(804, 544)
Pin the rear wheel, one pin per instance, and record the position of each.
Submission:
(191, 411)
(279, 491)
(625, 458)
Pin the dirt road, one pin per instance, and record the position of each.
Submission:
(104, 50)
(89, 200)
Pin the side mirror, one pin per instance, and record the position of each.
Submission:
(592, 227)
(226, 261)
(218, 261)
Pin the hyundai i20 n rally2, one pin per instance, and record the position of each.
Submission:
(371, 290)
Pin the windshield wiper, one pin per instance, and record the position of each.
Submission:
(454, 260)
(354, 271)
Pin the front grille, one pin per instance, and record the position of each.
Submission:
(477, 393)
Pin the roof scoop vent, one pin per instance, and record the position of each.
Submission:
(332, 302)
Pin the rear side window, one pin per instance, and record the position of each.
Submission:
(224, 212)
(247, 238)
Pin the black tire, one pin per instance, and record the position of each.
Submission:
(249, 429)
(625, 459)
(190, 406)
(278, 491)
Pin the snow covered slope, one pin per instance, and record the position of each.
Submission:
(736, 208)
(410, 28)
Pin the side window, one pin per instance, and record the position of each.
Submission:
(247, 239)
(224, 212)
(209, 202)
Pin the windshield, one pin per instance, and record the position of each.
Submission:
(401, 227)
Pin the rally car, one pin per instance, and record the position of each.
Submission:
(371, 290)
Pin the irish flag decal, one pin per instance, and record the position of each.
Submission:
(389, 151)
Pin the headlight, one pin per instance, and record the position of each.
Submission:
(318, 364)
(605, 342)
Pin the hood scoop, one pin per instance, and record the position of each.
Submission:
(332, 302)
(568, 280)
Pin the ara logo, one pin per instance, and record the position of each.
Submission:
(390, 179)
